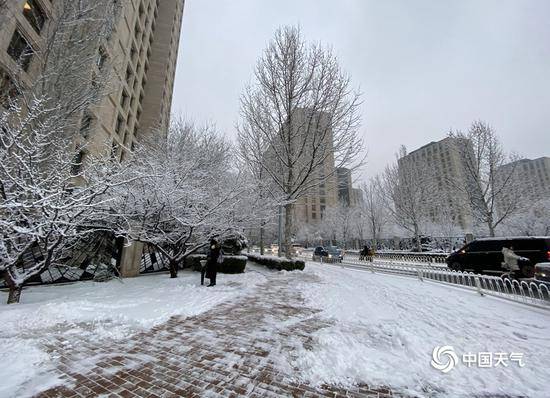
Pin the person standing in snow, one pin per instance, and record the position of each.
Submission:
(214, 253)
(364, 253)
(511, 260)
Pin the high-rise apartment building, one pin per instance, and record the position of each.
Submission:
(532, 176)
(343, 178)
(442, 167)
(356, 197)
(140, 53)
(323, 193)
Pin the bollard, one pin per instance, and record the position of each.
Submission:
(420, 276)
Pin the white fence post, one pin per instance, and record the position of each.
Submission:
(420, 275)
(478, 285)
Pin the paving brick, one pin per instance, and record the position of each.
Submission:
(230, 351)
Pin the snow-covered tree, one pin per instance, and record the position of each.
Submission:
(491, 189)
(265, 189)
(189, 193)
(372, 215)
(337, 224)
(532, 220)
(49, 197)
(406, 191)
(299, 114)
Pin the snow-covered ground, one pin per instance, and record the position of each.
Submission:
(386, 327)
(111, 310)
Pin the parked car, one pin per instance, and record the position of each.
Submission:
(297, 249)
(335, 253)
(542, 272)
(485, 255)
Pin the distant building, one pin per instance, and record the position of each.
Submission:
(441, 162)
(311, 207)
(356, 197)
(343, 178)
(531, 175)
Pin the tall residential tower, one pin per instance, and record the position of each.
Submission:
(139, 53)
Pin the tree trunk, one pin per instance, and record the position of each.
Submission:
(262, 249)
(417, 238)
(491, 228)
(173, 269)
(288, 230)
(14, 294)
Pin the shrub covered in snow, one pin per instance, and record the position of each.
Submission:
(278, 263)
(230, 265)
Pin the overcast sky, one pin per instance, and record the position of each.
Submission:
(424, 66)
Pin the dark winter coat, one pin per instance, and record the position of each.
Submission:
(212, 260)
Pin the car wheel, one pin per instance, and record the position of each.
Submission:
(457, 267)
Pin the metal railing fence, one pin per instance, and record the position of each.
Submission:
(526, 292)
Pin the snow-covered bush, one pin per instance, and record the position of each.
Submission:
(230, 265)
(235, 244)
(278, 263)
(233, 265)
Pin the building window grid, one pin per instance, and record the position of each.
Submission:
(20, 50)
(34, 14)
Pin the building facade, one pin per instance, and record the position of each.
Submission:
(140, 54)
(310, 207)
(343, 177)
(531, 175)
(357, 198)
(442, 168)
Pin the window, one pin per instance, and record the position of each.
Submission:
(20, 50)
(78, 160)
(34, 14)
(119, 124)
(123, 99)
(8, 89)
(85, 125)
(129, 74)
(101, 58)
(133, 53)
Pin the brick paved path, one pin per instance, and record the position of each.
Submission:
(233, 350)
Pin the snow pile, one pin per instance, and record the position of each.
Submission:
(112, 310)
(385, 329)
